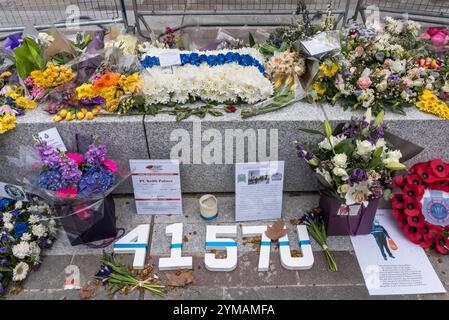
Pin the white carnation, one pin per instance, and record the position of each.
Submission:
(7, 217)
(33, 219)
(21, 250)
(35, 250)
(26, 236)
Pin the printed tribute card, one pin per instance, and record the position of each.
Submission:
(157, 186)
(258, 190)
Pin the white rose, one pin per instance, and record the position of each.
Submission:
(364, 147)
(339, 172)
(334, 141)
(381, 87)
(398, 66)
(340, 160)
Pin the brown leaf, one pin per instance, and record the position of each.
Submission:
(180, 278)
(296, 253)
(277, 230)
(295, 221)
(185, 239)
(88, 291)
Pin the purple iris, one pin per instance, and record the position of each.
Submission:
(3, 249)
(3, 262)
(13, 42)
(309, 156)
(357, 175)
(299, 150)
(98, 100)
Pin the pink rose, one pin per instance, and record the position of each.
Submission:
(388, 62)
(408, 83)
(364, 83)
(76, 157)
(444, 31)
(433, 31)
(69, 192)
(359, 50)
(426, 36)
(110, 164)
(439, 39)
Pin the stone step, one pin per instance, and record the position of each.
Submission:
(211, 146)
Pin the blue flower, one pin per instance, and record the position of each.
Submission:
(203, 58)
(220, 58)
(193, 59)
(229, 57)
(4, 202)
(212, 60)
(3, 262)
(19, 229)
(3, 249)
(13, 42)
(184, 58)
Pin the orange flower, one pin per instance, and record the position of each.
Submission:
(107, 80)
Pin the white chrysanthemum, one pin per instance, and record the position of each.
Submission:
(26, 236)
(21, 250)
(39, 230)
(33, 219)
(20, 271)
(7, 217)
(35, 250)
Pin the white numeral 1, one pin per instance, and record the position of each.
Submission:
(297, 263)
(230, 245)
(264, 257)
(176, 260)
(135, 241)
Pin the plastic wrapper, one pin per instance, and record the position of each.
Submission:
(85, 217)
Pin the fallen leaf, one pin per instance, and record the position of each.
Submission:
(14, 291)
(88, 291)
(181, 278)
(277, 230)
(296, 253)
(185, 239)
(295, 221)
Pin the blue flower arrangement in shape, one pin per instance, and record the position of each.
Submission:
(196, 59)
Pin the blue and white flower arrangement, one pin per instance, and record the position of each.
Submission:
(26, 228)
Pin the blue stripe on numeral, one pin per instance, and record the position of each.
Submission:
(176, 245)
(304, 242)
(130, 245)
(283, 243)
(265, 243)
(221, 244)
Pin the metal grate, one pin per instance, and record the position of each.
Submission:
(420, 10)
(16, 14)
(150, 8)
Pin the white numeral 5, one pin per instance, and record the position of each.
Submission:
(230, 245)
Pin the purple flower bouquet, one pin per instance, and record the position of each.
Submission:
(78, 184)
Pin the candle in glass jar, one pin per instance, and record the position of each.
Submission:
(208, 207)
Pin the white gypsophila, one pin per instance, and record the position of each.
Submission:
(221, 84)
(7, 217)
(26, 236)
(364, 148)
(33, 219)
(155, 52)
(20, 271)
(393, 156)
(21, 250)
(39, 230)
(340, 160)
(18, 205)
(325, 174)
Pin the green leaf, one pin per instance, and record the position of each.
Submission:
(251, 40)
(28, 58)
(375, 162)
(311, 131)
(378, 152)
(4, 269)
(346, 146)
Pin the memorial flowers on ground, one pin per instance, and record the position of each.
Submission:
(26, 229)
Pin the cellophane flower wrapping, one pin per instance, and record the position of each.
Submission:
(78, 183)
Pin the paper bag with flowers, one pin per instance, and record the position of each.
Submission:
(77, 183)
(354, 166)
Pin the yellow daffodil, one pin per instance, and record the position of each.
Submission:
(329, 70)
(7, 122)
(429, 102)
(318, 88)
(85, 91)
(26, 103)
(52, 76)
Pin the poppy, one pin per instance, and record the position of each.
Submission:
(439, 168)
(431, 231)
(442, 185)
(397, 201)
(427, 174)
(412, 208)
(425, 243)
(414, 179)
(399, 181)
(418, 166)
(442, 244)
(416, 221)
(413, 234)
(399, 214)
(413, 192)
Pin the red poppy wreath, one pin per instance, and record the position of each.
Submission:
(422, 209)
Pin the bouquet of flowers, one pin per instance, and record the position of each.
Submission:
(355, 164)
(25, 230)
(373, 70)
